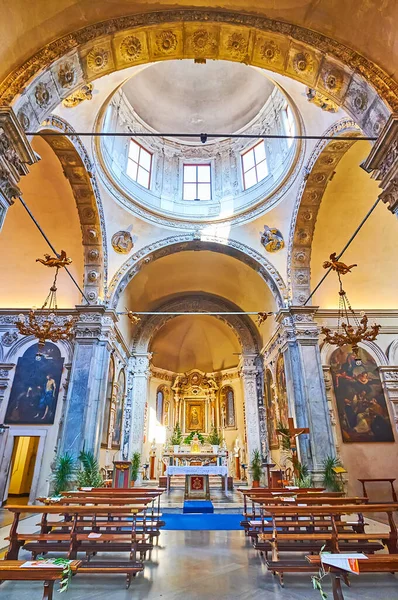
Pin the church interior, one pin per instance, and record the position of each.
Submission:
(198, 300)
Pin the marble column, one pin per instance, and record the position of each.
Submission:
(15, 154)
(5, 372)
(248, 372)
(87, 386)
(389, 379)
(382, 162)
(306, 391)
(137, 395)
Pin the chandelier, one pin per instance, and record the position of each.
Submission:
(46, 324)
(349, 332)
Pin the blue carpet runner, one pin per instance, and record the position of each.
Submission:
(202, 522)
(198, 506)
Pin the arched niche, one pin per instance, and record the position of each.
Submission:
(302, 54)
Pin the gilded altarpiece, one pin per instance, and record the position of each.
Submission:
(195, 401)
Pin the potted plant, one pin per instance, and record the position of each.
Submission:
(256, 468)
(135, 467)
(89, 475)
(215, 439)
(331, 480)
(64, 474)
(176, 438)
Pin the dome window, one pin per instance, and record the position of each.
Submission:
(288, 123)
(197, 182)
(254, 165)
(139, 164)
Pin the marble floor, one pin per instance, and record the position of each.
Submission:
(202, 565)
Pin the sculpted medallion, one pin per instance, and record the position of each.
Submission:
(122, 242)
(272, 239)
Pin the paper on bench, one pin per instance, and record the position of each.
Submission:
(41, 564)
(94, 535)
(346, 562)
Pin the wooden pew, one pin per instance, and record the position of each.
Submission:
(11, 570)
(75, 534)
(290, 530)
(379, 563)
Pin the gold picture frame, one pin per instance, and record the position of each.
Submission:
(194, 415)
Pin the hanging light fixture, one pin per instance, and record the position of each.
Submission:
(350, 329)
(46, 324)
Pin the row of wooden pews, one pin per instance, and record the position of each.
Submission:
(90, 522)
(285, 525)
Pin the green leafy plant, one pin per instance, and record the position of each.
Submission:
(89, 475)
(215, 437)
(190, 437)
(317, 579)
(176, 437)
(284, 436)
(331, 480)
(135, 465)
(64, 474)
(66, 572)
(255, 465)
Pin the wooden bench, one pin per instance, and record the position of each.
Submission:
(288, 531)
(11, 570)
(380, 563)
(80, 531)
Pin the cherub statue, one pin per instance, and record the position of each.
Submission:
(55, 261)
(272, 239)
(134, 318)
(336, 265)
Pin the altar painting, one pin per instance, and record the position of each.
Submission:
(282, 390)
(35, 389)
(194, 415)
(361, 405)
(270, 407)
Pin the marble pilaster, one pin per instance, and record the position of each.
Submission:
(15, 154)
(5, 371)
(248, 373)
(308, 402)
(389, 379)
(87, 387)
(382, 162)
(137, 395)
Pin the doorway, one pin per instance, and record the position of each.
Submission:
(23, 461)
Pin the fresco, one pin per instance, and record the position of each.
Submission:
(361, 405)
(35, 389)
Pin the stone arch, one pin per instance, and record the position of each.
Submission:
(79, 171)
(371, 348)
(317, 174)
(192, 241)
(357, 84)
(241, 325)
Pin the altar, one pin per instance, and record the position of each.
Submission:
(199, 488)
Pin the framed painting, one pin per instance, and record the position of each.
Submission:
(282, 391)
(35, 389)
(270, 407)
(194, 415)
(361, 405)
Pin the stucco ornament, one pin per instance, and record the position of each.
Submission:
(130, 48)
(272, 239)
(42, 95)
(166, 41)
(67, 75)
(321, 100)
(85, 93)
(122, 242)
(98, 59)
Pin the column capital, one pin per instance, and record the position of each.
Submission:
(382, 162)
(298, 324)
(139, 363)
(247, 364)
(15, 154)
(95, 322)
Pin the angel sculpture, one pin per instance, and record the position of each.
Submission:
(55, 261)
(134, 318)
(336, 265)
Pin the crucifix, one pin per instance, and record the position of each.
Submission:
(292, 435)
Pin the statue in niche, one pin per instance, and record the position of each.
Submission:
(122, 242)
(272, 239)
(237, 447)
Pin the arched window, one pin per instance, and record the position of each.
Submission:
(108, 402)
(119, 404)
(160, 405)
(228, 406)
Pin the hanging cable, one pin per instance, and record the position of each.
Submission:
(362, 223)
(51, 246)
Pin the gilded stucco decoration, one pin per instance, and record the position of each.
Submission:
(78, 96)
(321, 100)
(67, 75)
(42, 95)
(272, 239)
(131, 48)
(23, 119)
(321, 165)
(98, 59)
(279, 46)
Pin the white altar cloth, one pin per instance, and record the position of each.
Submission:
(198, 470)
